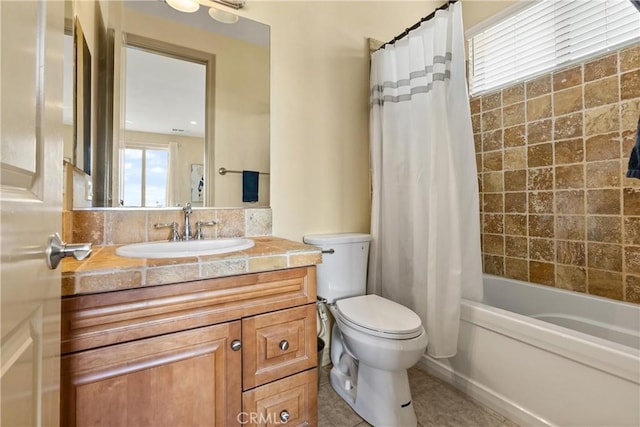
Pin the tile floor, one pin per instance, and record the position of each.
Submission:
(436, 403)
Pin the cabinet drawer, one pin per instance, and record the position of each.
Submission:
(91, 321)
(291, 401)
(278, 344)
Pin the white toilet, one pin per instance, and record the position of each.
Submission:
(374, 340)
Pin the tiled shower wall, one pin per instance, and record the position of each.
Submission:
(552, 155)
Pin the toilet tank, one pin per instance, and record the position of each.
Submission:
(343, 273)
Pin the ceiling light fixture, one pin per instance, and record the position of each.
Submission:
(190, 6)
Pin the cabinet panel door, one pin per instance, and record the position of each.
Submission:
(292, 401)
(278, 344)
(182, 379)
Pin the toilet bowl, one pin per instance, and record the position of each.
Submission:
(374, 340)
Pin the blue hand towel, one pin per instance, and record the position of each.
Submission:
(250, 186)
(634, 158)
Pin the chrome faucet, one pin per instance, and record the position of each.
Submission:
(186, 234)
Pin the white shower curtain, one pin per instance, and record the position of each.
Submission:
(425, 224)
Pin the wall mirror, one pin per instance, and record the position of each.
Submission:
(180, 97)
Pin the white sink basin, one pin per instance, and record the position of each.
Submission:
(184, 248)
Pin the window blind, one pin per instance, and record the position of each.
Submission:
(546, 36)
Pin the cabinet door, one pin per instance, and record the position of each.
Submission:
(292, 401)
(278, 344)
(182, 379)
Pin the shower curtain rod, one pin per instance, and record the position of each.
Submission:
(417, 24)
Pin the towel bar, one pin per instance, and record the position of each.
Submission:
(224, 171)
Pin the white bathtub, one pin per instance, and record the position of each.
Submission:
(545, 356)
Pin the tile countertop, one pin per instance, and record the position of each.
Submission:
(105, 271)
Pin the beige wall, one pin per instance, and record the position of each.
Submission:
(319, 105)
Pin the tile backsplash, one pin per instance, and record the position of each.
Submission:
(552, 156)
(122, 226)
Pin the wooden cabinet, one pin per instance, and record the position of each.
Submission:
(220, 352)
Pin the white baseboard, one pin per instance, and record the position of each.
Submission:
(476, 391)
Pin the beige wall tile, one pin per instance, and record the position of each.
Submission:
(570, 151)
(515, 225)
(259, 222)
(601, 92)
(600, 120)
(605, 283)
(493, 223)
(476, 123)
(515, 158)
(569, 126)
(515, 136)
(125, 227)
(172, 274)
(604, 202)
(88, 226)
(631, 201)
(542, 249)
(542, 272)
(231, 222)
(567, 78)
(492, 140)
(494, 265)
(515, 180)
(632, 259)
(539, 108)
(517, 269)
(267, 263)
(603, 174)
(571, 252)
(474, 104)
(538, 86)
(516, 246)
(601, 67)
(493, 202)
(603, 147)
(570, 202)
(513, 94)
(491, 101)
(492, 182)
(629, 113)
(493, 244)
(568, 101)
(492, 161)
(541, 202)
(569, 176)
(632, 230)
(632, 289)
(513, 114)
(570, 227)
(630, 58)
(604, 229)
(571, 278)
(492, 120)
(541, 226)
(515, 202)
(630, 85)
(540, 179)
(540, 155)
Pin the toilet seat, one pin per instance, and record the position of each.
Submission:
(379, 317)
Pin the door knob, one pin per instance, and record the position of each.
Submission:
(57, 249)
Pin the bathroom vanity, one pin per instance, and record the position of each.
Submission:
(231, 350)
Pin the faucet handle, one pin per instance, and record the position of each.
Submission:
(188, 210)
(175, 236)
(199, 225)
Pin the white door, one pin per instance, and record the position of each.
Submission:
(30, 206)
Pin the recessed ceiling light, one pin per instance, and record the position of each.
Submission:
(193, 122)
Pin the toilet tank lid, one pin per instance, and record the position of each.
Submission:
(336, 238)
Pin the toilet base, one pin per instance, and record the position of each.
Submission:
(382, 398)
